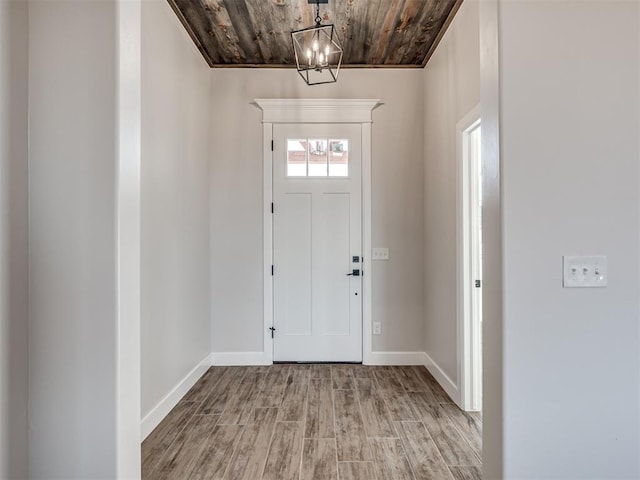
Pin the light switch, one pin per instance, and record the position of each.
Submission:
(585, 271)
(380, 254)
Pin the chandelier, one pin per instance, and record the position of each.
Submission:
(317, 50)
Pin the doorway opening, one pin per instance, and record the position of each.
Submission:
(470, 261)
(332, 113)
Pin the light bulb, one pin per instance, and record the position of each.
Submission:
(308, 54)
(326, 50)
(315, 45)
(321, 58)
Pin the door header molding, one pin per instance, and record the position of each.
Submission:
(289, 110)
(316, 110)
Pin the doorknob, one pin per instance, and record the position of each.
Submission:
(355, 272)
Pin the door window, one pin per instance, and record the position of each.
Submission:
(317, 157)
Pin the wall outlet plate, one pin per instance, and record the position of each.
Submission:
(380, 254)
(377, 328)
(582, 271)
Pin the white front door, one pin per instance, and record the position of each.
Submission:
(317, 242)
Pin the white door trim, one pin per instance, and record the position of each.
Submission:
(316, 111)
(464, 287)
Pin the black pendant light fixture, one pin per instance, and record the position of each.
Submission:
(317, 50)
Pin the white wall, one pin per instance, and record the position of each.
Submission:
(175, 329)
(236, 200)
(452, 90)
(13, 240)
(72, 195)
(570, 104)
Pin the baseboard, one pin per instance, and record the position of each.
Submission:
(155, 416)
(395, 358)
(239, 358)
(443, 379)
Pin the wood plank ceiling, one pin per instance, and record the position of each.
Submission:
(374, 33)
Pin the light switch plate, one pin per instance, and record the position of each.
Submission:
(585, 271)
(380, 254)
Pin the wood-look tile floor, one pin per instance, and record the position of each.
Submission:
(324, 422)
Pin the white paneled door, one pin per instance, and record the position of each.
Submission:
(317, 242)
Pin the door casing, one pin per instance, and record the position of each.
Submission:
(354, 111)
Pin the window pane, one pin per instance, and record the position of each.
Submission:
(317, 157)
(338, 158)
(296, 158)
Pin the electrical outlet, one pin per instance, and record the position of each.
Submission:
(377, 328)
